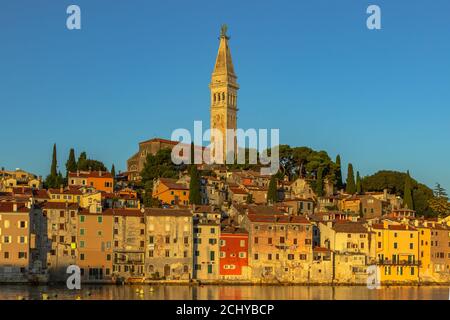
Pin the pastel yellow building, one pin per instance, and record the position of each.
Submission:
(396, 250)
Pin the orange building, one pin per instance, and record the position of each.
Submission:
(95, 236)
(168, 191)
(100, 180)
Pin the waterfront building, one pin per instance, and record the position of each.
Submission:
(128, 243)
(397, 251)
(94, 243)
(21, 243)
(280, 247)
(62, 230)
(206, 246)
(234, 254)
(169, 244)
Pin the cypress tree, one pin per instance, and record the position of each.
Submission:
(319, 182)
(71, 164)
(113, 173)
(82, 161)
(53, 168)
(358, 183)
(350, 187)
(338, 173)
(272, 194)
(408, 201)
(194, 187)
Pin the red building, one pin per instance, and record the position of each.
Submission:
(234, 254)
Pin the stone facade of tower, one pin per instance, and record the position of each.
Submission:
(224, 90)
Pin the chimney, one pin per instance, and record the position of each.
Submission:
(61, 188)
(78, 173)
(385, 192)
(15, 207)
(100, 173)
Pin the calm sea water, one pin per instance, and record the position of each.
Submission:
(180, 292)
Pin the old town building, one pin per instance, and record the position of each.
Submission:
(169, 244)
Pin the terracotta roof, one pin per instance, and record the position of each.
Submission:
(168, 212)
(7, 207)
(227, 230)
(90, 174)
(237, 190)
(264, 210)
(172, 184)
(123, 212)
(60, 205)
(65, 191)
(277, 219)
(349, 227)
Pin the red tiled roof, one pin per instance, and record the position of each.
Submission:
(237, 190)
(277, 219)
(60, 205)
(90, 174)
(168, 212)
(123, 212)
(349, 227)
(7, 207)
(172, 184)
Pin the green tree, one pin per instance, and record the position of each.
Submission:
(113, 173)
(272, 193)
(358, 183)
(319, 183)
(338, 173)
(194, 187)
(350, 186)
(394, 182)
(439, 203)
(408, 201)
(85, 164)
(71, 163)
(53, 180)
(156, 166)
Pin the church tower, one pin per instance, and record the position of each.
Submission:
(224, 89)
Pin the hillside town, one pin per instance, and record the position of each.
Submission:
(221, 223)
(235, 234)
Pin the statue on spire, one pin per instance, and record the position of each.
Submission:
(223, 31)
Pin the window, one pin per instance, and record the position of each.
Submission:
(22, 255)
(151, 239)
(212, 255)
(167, 240)
(213, 230)
(81, 256)
(6, 255)
(186, 240)
(209, 268)
(223, 254)
(242, 243)
(290, 256)
(82, 218)
(281, 239)
(150, 254)
(255, 256)
(99, 219)
(22, 224)
(269, 256)
(212, 241)
(82, 244)
(379, 245)
(395, 245)
(82, 232)
(411, 245)
(256, 240)
(167, 253)
(269, 240)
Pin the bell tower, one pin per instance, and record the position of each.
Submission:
(224, 90)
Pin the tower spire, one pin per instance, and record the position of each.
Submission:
(224, 89)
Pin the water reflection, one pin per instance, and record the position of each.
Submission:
(169, 292)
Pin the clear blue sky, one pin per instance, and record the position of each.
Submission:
(140, 69)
